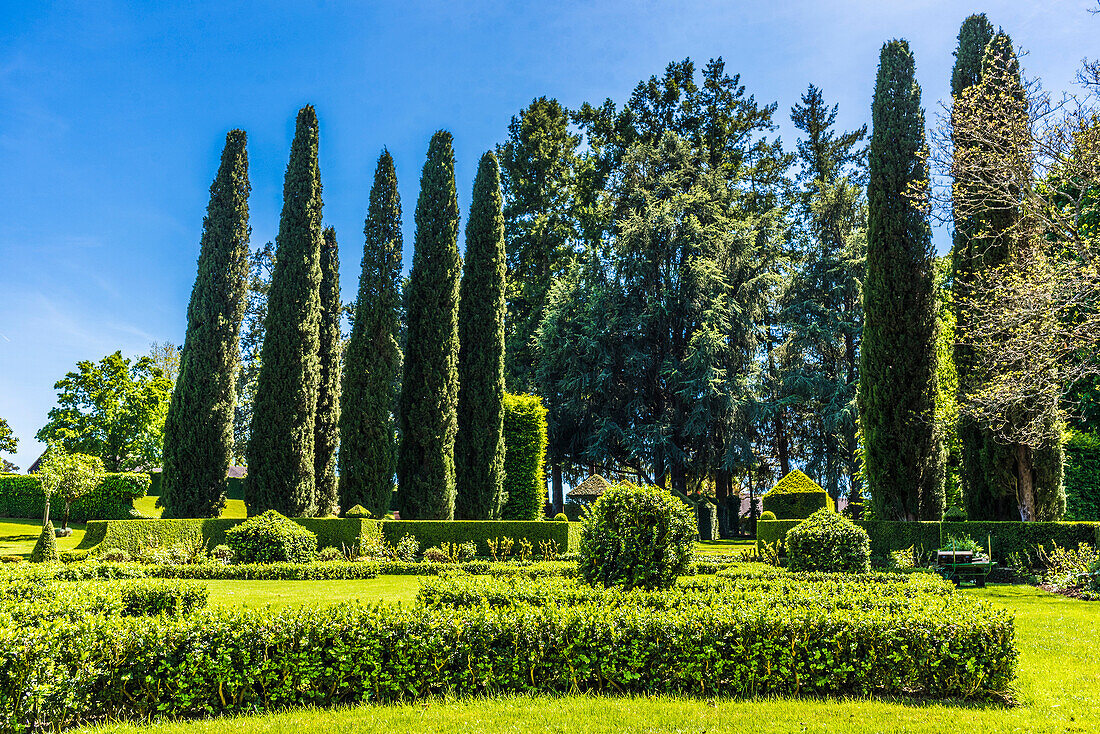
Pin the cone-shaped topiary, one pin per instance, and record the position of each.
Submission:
(479, 445)
(427, 413)
(524, 457)
(636, 537)
(372, 362)
(326, 435)
(45, 550)
(828, 541)
(198, 431)
(281, 444)
(903, 451)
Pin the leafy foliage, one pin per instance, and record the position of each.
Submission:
(368, 442)
(796, 496)
(636, 537)
(1082, 476)
(271, 538)
(146, 598)
(8, 444)
(112, 498)
(45, 548)
(828, 541)
(113, 409)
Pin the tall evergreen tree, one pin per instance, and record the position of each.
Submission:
(479, 445)
(326, 436)
(903, 454)
(538, 170)
(198, 431)
(822, 309)
(980, 452)
(260, 265)
(281, 446)
(995, 241)
(368, 447)
(427, 413)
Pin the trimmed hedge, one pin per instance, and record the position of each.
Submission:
(226, 662)
(1007, 537)
(828, 541)
(524, 457)
(113, 498)
(271, 538)
(796, 496)
(431, 533)
(132, 535)
(1082, 477)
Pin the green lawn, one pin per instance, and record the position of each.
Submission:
(724, 546)
(1058, 691)
(311, 593)
(17, 537)
(234, 509)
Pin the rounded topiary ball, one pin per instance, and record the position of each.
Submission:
(271, 538)
(767, 515)
(636, 537)
(828, 541)
(561, 517)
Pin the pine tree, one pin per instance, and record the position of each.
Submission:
(903, 455)
(326, 436)
(281, 445)
(198, 431)
(427, 413)
(368, 447)
(479, 445)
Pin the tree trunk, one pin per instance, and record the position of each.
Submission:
(65, 521)
(1025, 483)
(555, 482)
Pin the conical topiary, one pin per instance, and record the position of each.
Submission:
(45, 550)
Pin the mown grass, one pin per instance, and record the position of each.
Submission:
(1058, 691)
(280, 594)
(17, 536)
(234, 509)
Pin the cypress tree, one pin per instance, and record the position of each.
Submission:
(281, 446)
(326, 437)
(198, 431)
(427, 413)
(479, 446)
(903, 453)
(368, 447)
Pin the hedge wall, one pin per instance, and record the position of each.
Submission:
(234, 486)
(132, 535)
(524, 457)
(1082, 478)
(434, 532)
(1006, 537)
(796, 496)
(231, 661)
(113, 498)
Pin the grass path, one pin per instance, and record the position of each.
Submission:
(17, 537)
(1058, 691)
(281, 594)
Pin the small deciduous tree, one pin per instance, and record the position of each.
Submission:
(8, 444)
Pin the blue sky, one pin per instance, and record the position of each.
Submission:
(112, 119)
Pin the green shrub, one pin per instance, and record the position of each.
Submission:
(893, 638)
(112, 499)
(221, 553)
(271, 538)
(796, 496)
(767, 515)
(145, 598)
(407, 548)
(45, 550)
(524, 456)
(114, 555)
(955, 514)
(561, 517)
(357, 511)
(329, 554)
(636, 537)
(436, 532)
(1082, 476)
(828, 541)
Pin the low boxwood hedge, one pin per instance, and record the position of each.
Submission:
(1007, 538)
(113, 498)
(226, 662)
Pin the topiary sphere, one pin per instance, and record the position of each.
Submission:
(271, 538)
(561, 517)
(828, 541)
(767, 515)
(636, 537)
